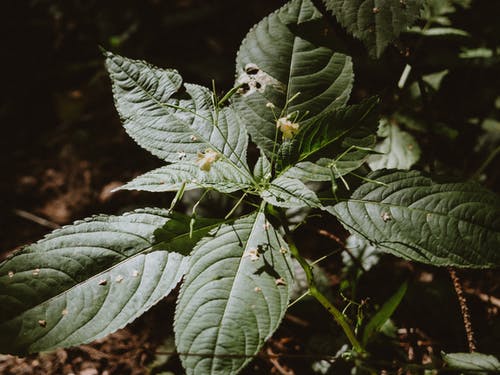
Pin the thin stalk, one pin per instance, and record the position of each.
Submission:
(487, 162)
(235, 206)
(313, 291)
(469, 332)
(178, 197)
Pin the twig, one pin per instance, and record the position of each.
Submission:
(277, 365)
(492, 300)
(325, 233)
(333, 237)
(36, 219)
(465, 310)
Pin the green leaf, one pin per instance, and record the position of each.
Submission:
(472, 361)
(289, 193)
(274, 64)
(221, 177)
(263, 169)
(361, 252)
(399, 149)
(89, 279)
(337, 130)
(385, 312)
(353, 154)
(171, 120)
(376, 23)
(439, 31)
(233, 297)
(413, 217)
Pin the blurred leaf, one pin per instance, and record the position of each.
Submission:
(362, 250)
(439, 31)
(399, 149)
(434, 79)
(383, 315)
(472, 362)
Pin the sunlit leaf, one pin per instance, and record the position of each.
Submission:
(274, 65)
(411, 216)
(234, 296)
(91, 278)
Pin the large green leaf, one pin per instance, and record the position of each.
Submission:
(376, 22)
(233, 298)
(91, 278)
(399, 149)
(173, 121)
(290, 193)
(274, 64)
(411, 216)
(221, 176)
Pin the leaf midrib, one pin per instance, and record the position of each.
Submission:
(197, 134)
(384, 204)
(223, 315)
(140, 252)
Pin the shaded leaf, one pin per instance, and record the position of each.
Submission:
(376, 23)
(337, 130)
(361, 250)
(384, 313)
(413, 217)
(399, 149)
(231, 302)
(353, 154)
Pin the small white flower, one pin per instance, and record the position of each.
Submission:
(287, 127)
(206, 159)
(270, 105)
(280, 281)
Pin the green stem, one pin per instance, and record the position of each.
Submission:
(485, 164)
(313, 290)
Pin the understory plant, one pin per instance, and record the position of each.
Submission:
(313, 149)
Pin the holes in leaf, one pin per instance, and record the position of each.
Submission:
(252, 79)
(251, 69)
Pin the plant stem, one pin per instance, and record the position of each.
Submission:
(313, 291)
(488, 160)
(464, 309)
